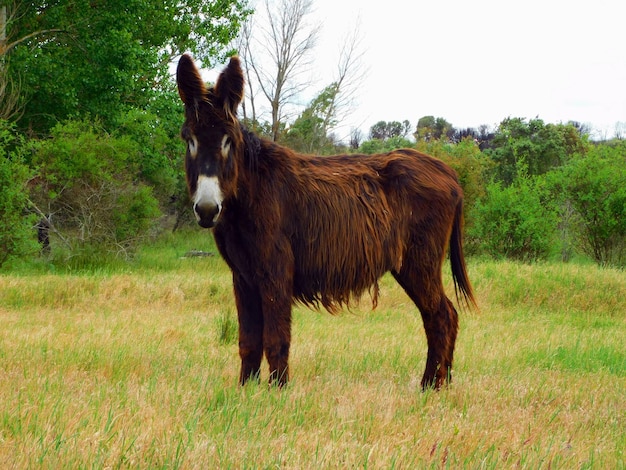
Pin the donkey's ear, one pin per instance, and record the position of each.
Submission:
(229, 86)
(191, 88)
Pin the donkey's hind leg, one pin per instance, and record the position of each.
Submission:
(422, 282)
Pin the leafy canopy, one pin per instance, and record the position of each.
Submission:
(98, 58)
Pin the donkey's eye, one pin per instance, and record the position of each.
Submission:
(192, 143)
(225, 146)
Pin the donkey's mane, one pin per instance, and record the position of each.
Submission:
(251, 148)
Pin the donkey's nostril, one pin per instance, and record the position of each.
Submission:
(206, 214)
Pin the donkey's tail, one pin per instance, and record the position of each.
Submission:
(462, 286)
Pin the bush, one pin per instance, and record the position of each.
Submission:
(91, 182)
(515, 221)
(594, 187)
(133, 215)
(16, 228)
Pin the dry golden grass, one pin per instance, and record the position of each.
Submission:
(139, 370)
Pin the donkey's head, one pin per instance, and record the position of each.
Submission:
(213, 136)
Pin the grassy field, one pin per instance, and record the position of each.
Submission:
(136, 367)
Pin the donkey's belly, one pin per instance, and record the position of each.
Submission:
(334, 274)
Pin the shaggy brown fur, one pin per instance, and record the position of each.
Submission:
(321, 230)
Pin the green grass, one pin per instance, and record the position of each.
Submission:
(135, 366)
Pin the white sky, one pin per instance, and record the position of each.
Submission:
(479, 62)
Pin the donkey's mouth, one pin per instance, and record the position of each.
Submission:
(206, 223)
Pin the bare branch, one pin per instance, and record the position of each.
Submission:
(242, 44)
(281, 53)
(50, 224)
(350, 75)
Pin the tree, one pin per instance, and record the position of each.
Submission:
(311, 131)
(275, 47)
(9, 89)
(77, 59)
(583, 129)
(356, 137)
(158, 150)
(431, 128)
(383, 130)
(350, 73)
(243, 44)
(285, 47)
(481, 135)
(620, 130)
(9, 95)
(533, 144)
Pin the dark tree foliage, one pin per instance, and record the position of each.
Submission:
(383, 130)
(431, 128)
(482, 136)
(534, 144)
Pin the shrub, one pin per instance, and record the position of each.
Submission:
(515, 221)
(135, 209)
(594, 187)
(16, 227)
(91, 182)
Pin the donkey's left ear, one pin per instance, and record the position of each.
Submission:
(229, 86)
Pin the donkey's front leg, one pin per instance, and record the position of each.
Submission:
(250, 328)
(277, 336)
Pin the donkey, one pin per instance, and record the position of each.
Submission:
(318, 230)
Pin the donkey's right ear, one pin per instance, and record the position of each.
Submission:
(191, 88)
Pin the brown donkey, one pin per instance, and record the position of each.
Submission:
(318, 230)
